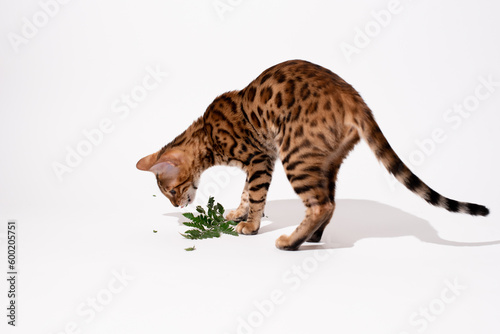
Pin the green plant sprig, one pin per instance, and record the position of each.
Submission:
(208, 223)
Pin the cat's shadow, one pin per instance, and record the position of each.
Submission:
(354, 220)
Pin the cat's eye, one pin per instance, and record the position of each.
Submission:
(172, 192)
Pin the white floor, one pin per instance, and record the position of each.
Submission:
(378, 270)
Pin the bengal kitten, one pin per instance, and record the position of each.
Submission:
(300, 112)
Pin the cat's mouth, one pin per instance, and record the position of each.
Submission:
(187, 203)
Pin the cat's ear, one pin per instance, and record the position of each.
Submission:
(168, 163)
(175, 156)
(166, 169)
(147, 162)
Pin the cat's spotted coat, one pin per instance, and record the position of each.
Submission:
(298, 112)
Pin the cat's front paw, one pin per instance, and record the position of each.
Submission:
(247, 228)
(237, 215)
(284, 243)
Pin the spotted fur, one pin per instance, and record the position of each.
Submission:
(296, 111)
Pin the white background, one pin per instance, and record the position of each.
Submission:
(386, 257)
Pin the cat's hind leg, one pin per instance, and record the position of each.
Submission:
(318, 234)
(330, 182)
(317, 217)
(310, 180)
(336, 160)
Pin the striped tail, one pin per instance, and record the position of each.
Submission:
(371, 132)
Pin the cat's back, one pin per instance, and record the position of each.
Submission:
(298, 76)
(293, 85)
(295, 95)
(297, 92)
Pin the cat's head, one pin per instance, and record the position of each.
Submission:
(174, 175)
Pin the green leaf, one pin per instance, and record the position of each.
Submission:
(188, 215)
(192, 234)
(231, 232)
(208, 223)
(190, 249)
(210, 202)
(199, 219)
(220, 209)
(195, 225)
